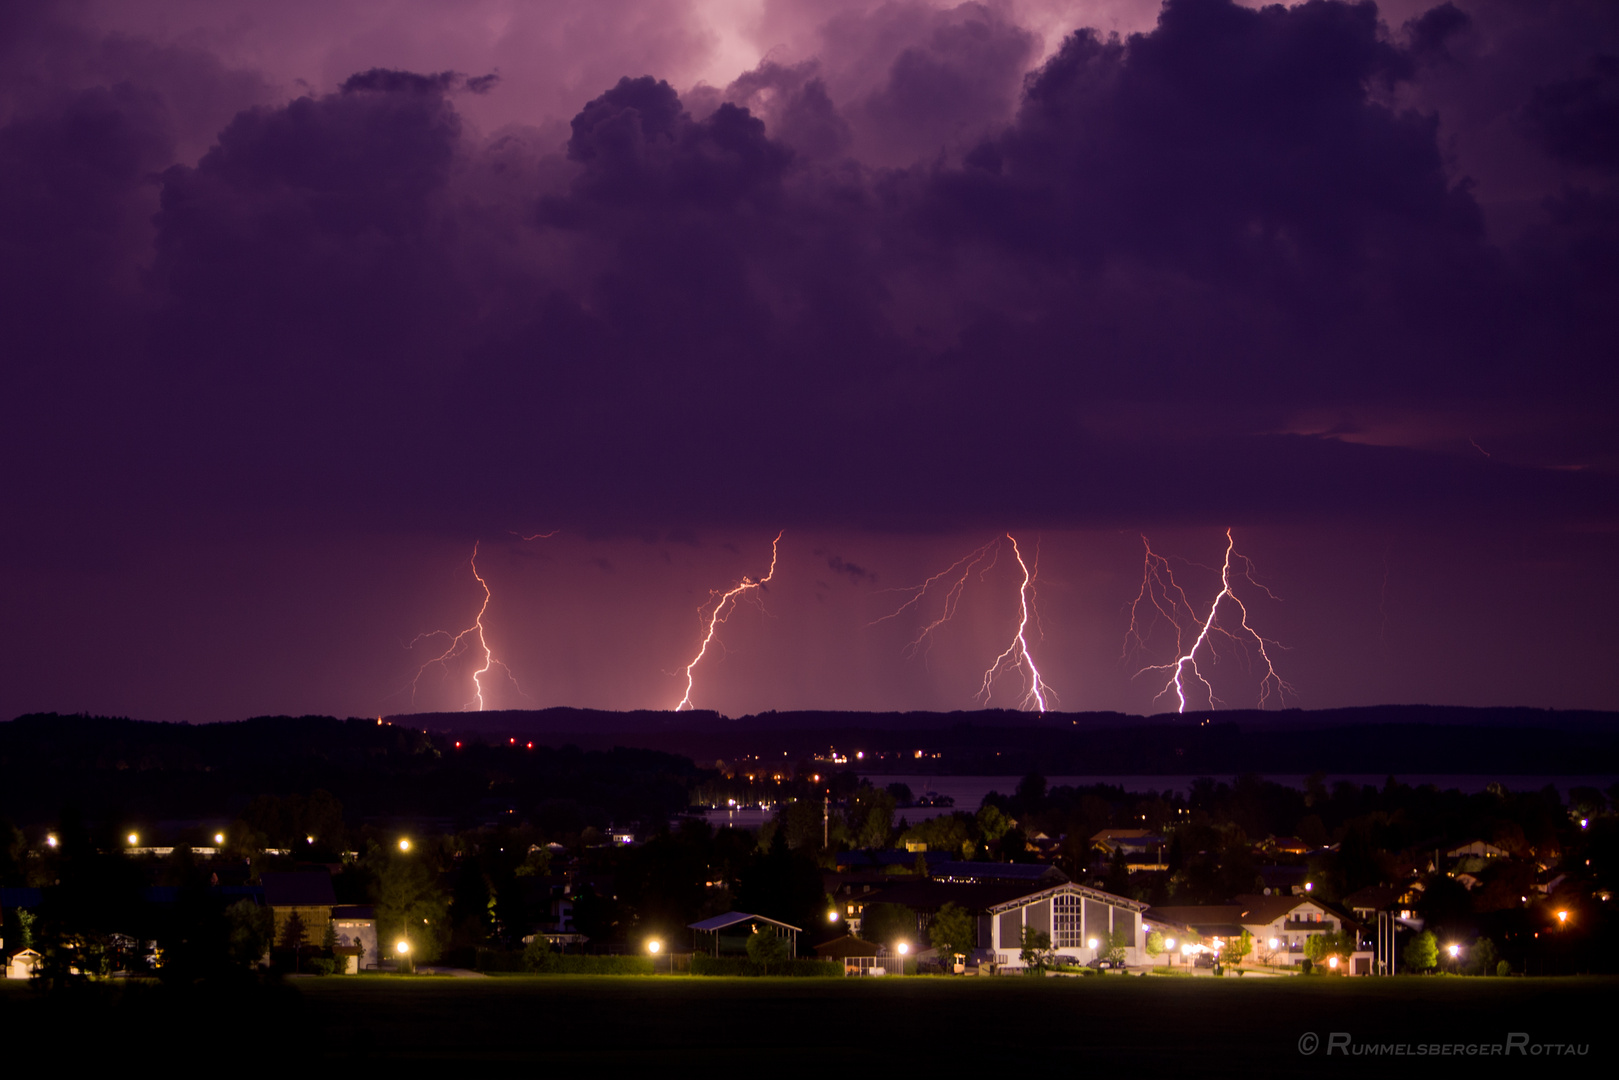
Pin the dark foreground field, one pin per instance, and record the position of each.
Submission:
(674, 1024)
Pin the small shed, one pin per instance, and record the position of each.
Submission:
(728, 934)
(22, 964)
(859, 957)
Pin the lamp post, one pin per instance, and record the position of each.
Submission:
(402, 947)
(904, 949)
(653, 948)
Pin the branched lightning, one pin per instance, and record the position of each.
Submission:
(463, 642)
(1016, 656)
(1163, 595)
(723, 606)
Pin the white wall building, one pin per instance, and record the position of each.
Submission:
(1073, 915)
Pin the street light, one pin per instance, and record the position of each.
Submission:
(219, 838)
(50, 840)
(904, 950)
(134, 838)
(404, 844)
(402, 947)
(1562, 918)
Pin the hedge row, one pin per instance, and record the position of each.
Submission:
(736, 965)
(551, 963)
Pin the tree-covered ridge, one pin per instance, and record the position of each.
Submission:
(131, 769)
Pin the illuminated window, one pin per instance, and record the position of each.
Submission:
(1065, 921)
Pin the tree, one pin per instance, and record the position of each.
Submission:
(953, 930)
(1155, 944)
(1036, 953)
(888, 924)
(1421, 953)
(766, 947)
(1110, 947)
(1238, 948)
(292, 932)
(250, 930)
(25, 928)
(1317, 947)
(992, 823)
(1482, 957)
(410, 904)
(871, 817)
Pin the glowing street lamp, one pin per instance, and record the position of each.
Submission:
(50, 840)
(219, 838)
(134, 838)
(1332, 961)
(1562, 918)
(832, 916)
(404, 843)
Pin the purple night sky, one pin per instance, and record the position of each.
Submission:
(299, 301)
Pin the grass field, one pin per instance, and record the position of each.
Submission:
(1211, 1027)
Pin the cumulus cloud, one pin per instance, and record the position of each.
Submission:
(866, 282)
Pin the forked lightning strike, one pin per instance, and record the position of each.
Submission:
(462, 642)
(722, 611)
(1016, 657)
(1163, 594)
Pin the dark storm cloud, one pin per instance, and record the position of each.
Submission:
(1578, 119)
(898, 284)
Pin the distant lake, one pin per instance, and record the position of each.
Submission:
(969, 791)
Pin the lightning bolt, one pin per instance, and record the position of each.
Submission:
(1016, 656)
(1162, 595)
(723, 607)
(474, 638)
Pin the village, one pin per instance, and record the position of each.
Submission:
(844, 884)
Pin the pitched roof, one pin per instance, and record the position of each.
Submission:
(847, 945)
(1070, 888)
(732, 918)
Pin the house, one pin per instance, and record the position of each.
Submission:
(1482, 849)
(1398, 900)
(859, 957)
(1074, 915)
(1142, 849)
(1282, 925)
(302, 896)
(729, 933)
